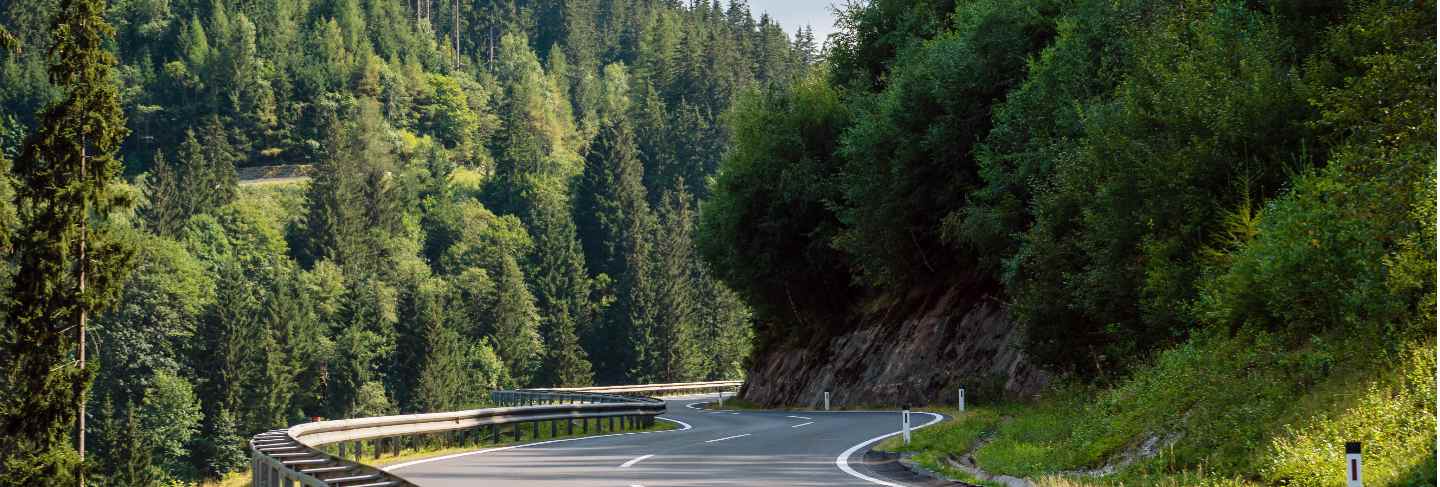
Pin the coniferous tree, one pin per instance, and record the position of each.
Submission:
(613, 216)
(70, 264)
(676, 304)
(442, 363)
(163, 210)
(213, 182)
(222, 360)
(514, 322)
(562, 293)
(134, 461)
(220, 449)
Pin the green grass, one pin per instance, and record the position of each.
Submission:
(1228, 410)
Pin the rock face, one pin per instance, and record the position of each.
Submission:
(914, 350)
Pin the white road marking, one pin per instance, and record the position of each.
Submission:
(843, 461)
(727, 438)
(797, 417)
(636, 485)
(693, 405)
(634, 461)
(683, 426)
(803, 424)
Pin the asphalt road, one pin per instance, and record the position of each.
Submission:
(708, 448)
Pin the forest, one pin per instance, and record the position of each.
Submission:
(1211, 219)
(501, 193)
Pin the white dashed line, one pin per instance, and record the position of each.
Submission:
(635, 461)
(803, 424)
(683, 426)
(797, 417)
(727, 438)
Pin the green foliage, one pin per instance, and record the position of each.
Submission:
(1393, 419)
(1223, 211)
(514, 323)
(70, 262)
(767, 230)
(202, 181)
(909, 158)
(445, 242)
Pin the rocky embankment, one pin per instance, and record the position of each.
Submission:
(917, 350)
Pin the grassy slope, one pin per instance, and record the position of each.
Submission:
(1240, 410)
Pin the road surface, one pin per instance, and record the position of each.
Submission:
(708, 448)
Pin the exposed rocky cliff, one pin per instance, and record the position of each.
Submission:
(917, 349)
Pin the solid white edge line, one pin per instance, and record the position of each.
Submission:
(797, 417)
(727, 438)
(683, 426)
(843, 461)
(635, 460)
(803, 424)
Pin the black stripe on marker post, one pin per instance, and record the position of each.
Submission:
(1352, 448)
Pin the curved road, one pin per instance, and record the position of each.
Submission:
(708, 448)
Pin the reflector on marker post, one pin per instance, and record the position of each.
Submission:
(905, 423)
(1354, 476)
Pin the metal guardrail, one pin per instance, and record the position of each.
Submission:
(657, 389)
(289, 456)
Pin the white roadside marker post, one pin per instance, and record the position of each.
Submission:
(905, 423)
(721, 395)
(962, 399)
(827, 400)
(1353, 475)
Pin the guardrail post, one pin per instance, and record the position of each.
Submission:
(516, 430)
(494, 433)
(553, 427)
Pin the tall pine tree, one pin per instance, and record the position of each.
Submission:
(70, 263)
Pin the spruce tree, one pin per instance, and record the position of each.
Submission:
(514, 322)
(134, 461)
(674, 266)
(214, 181)
(562, 294)
(70, 264)
(443, 354)
(163, 210)
(222, 360)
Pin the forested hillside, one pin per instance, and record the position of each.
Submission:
(504, 194)
(1212, 220)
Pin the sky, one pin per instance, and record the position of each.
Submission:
(794, 13)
